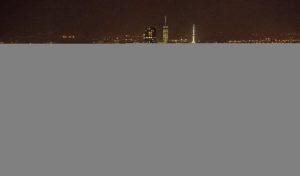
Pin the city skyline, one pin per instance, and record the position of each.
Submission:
(215, 20)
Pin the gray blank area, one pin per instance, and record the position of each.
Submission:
(149, 110)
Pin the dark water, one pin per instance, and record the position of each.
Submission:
(121, 110)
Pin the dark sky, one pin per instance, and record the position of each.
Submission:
(112, 17)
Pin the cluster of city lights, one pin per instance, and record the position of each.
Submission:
(68, 37)
(266, 40)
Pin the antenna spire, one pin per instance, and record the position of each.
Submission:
(165, 20)
(194, 34)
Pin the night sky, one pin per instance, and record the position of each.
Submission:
(231, 18)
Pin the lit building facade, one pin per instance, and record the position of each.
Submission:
(165, 32)
(150, 35)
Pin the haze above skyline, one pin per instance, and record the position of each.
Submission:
(231, 18)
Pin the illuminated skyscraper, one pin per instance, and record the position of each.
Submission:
(150, 35)
(194, 34)
(165, 32)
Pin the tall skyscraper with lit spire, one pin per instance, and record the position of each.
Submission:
(194, 34)
(165, 31)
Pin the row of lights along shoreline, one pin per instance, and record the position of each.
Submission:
(150, 34)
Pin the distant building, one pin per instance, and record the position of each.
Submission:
(150, 35)
(194, 34)
(165, 32)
